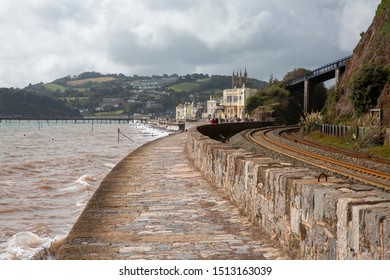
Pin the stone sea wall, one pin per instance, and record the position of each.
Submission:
(311, 218)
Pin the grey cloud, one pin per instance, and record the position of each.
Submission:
(46, 39)
(182, 49)
(179, 5)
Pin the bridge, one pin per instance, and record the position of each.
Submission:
(324, 73)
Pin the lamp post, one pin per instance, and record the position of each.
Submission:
(231, 109)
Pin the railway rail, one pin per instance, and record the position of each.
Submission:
(266, 137)
(291, 134)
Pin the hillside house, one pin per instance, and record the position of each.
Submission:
(188, 111)
(213, 109)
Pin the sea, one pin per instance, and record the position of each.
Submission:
(48, 172)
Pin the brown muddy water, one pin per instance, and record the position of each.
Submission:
(48, 172)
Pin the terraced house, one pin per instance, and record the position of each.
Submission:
(188, 111)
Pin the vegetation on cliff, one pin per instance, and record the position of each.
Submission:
(286, 107)
(366, 87)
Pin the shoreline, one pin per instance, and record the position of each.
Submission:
(49, 253)
(55, 184)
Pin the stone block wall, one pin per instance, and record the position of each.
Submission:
(311, 219)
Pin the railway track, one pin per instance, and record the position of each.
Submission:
(266, 138)
(291, 135)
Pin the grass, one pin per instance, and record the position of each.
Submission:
(80, 89)
(55, 87)
(213, 91)
(344, 143)
(72, 98)
(380, 151)
(184, 87)
(93, 80)
(349, 144)
(118, 112)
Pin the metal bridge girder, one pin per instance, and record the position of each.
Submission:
(324, 70)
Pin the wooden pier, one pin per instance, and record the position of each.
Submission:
(81, 119)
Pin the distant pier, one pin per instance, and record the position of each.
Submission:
(106, 119)
(81, 119)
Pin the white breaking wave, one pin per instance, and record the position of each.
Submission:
(81, 184)
(22, 245)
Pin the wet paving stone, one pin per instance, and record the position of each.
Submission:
(177, 213)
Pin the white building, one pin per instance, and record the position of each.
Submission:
(213, 109)
(188, 111)
(234, 99)
(234, 102)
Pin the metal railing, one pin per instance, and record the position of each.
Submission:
(319, 71)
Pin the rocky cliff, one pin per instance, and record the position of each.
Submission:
(372, 49)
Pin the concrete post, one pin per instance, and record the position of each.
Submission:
(337, 75)
(306, 96)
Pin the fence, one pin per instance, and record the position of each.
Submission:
(343, 130)
(336, 130)
(388, 135)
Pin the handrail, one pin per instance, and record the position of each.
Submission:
(318, 71)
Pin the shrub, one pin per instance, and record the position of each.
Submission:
(373, 136)
(366, 87)
(311, 122)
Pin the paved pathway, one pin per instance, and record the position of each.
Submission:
(156, 205)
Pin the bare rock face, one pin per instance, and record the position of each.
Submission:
(373, 48)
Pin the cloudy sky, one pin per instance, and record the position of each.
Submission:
(41, 40)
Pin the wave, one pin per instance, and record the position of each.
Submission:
(22, 245)
(109, 165)
(81, 184)
(27, 245)
(85, 179)
(42, 175)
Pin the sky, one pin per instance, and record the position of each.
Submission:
(42, 40)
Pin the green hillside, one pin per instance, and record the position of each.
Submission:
(17, 102)
(184, 87)
(201, 83)
(91, 92)
(54, 87)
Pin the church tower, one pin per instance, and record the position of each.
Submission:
(238, 80)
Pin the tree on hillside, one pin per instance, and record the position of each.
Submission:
(317, 97)
(89, 75)
(216, 82)
(277, 100)
(297, 72)
(29, 104)
(284, 105)
(254, 101)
